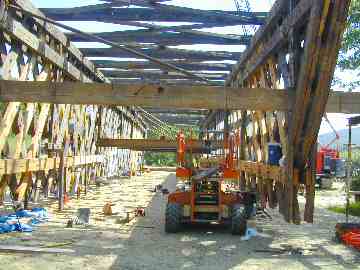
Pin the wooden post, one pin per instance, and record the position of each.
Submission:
(310, 177)
(61, 180)
(62, 173)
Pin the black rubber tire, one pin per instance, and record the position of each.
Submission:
(173, 218)
(238, 221)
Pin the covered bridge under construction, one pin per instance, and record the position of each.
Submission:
(62, 112)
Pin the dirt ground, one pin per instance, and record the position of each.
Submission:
(143, 244)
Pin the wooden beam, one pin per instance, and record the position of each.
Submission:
(183, 82)
(17, 30)
(176, 111)
(343, 102)
(189, 65)
(178, 116)
(219, 15)
(334, 28)
(157, 145)
(158, 74)
(215, 37)
(106, 12)
(57, 34)
(338, 102)
(262, 170)
(146, 95)
(163, 54)
(252, 58)
(14, 166)
(166, 38)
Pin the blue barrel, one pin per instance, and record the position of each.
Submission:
(340, 170)
(275, 153)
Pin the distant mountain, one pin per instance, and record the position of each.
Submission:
(355, 136)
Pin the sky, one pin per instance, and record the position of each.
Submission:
(339, 121)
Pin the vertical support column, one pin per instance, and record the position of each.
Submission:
(242, 148)
(310, 177)
(62, 173)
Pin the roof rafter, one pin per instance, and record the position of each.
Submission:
(157, 74)
(148, 65)
(166, 38)
(156, 51)
(169, 13)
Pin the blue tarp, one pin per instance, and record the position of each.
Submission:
(9, 223)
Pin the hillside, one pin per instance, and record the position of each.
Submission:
(327, 137)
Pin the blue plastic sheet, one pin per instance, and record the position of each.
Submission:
(10, 223)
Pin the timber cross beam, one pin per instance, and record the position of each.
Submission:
(145, 95)
(196, 146)
(151, 95)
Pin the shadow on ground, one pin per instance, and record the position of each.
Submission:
(143, 244)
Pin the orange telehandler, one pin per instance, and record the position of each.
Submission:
(202, 196)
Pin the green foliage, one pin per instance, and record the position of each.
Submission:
(167, 159)
(160, 159)
(2, 106)
(349, 57)
(354, 209)
(355, 184)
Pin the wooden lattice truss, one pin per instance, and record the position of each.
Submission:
(296, 49)
(33, 51)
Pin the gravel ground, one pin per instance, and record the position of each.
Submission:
(142, 243)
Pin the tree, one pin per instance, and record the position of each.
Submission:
(349, 57)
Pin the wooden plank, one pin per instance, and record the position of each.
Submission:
(176, 111)
(280, 116)
(105, 12)
(307, 72)
(343, 102)
(187, 82)
(177, 117)
(338, 102)
(159, 74)
(33, 249)
(219, 15)
(17, 30)
(327, 63)
(163, 53)
(310, 179)
(133, 115)
(189, 65)
(143, 144)
(146, 95)
(14, 166)
(40, 124)
(13, 107)
(191, 37)
(58, 35)
(251, 60)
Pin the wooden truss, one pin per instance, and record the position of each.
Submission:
(31, 51)
(294, 50)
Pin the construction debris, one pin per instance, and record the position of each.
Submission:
(139, 212)
(11, 223)
(107, 210)
(287, 251)
(30, 249)
(82, 218)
